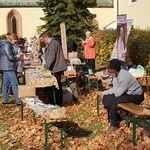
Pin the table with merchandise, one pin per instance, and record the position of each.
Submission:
(53, 115)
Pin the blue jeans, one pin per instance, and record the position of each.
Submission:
(9, 78)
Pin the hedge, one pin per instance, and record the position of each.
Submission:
(138, 46)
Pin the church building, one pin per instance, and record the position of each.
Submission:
(22, 17)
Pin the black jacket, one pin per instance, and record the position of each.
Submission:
(71, 46)
(7, 56)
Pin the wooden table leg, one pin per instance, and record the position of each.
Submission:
(61, 136)
(147, 84)
(21, 111)
(134, 131)
(46, 135)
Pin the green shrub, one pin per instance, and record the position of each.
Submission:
(104, 45)
(138, 46)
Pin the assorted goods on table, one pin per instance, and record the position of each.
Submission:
(40, 78)
(38, 73)
(51, 112)
(31, 60)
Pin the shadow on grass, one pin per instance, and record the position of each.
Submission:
(73, 130)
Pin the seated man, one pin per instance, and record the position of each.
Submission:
(125, 89)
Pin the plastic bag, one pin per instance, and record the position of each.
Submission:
(139, 71)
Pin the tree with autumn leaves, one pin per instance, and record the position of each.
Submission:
(74, 13)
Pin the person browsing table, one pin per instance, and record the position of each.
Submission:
(8, 67)
(55, 62)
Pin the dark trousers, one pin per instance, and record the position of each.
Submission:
(91, 63)
(110, 102)
(113, 117)
(59, 92)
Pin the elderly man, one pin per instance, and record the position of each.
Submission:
(55, 62)
(89, 50)
(125, 89)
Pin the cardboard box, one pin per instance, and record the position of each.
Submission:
(70, 73)
(26, 91)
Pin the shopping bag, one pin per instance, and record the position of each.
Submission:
(138, 72)
(72, 55)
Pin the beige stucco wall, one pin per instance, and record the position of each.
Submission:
(138, 11)
(30, 20)
(105, 16)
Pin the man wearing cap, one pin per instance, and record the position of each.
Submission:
(89, 50)
(125, 89)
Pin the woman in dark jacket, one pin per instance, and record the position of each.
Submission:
(8, 68)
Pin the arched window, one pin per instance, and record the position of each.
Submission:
(14, 22)
(14, 25)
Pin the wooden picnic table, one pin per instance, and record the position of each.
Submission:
(48, 123)
(35, 77)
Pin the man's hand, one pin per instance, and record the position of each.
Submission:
(114, 75)
(17, 57)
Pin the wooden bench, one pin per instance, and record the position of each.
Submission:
(92, 80)
(139, 115)
(53, 123)
(70, 76)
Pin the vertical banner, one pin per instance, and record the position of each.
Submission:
(63, 39)
(121, 37)
(114, 53)
(129, 25)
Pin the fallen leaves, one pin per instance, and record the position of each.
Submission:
(83, 131)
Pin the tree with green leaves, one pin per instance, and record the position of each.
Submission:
(74, 13)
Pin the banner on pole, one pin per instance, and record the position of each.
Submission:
(126, 25)
(121, 37)
(129, 25)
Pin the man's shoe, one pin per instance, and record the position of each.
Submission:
(8, 102)
(111, 129)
